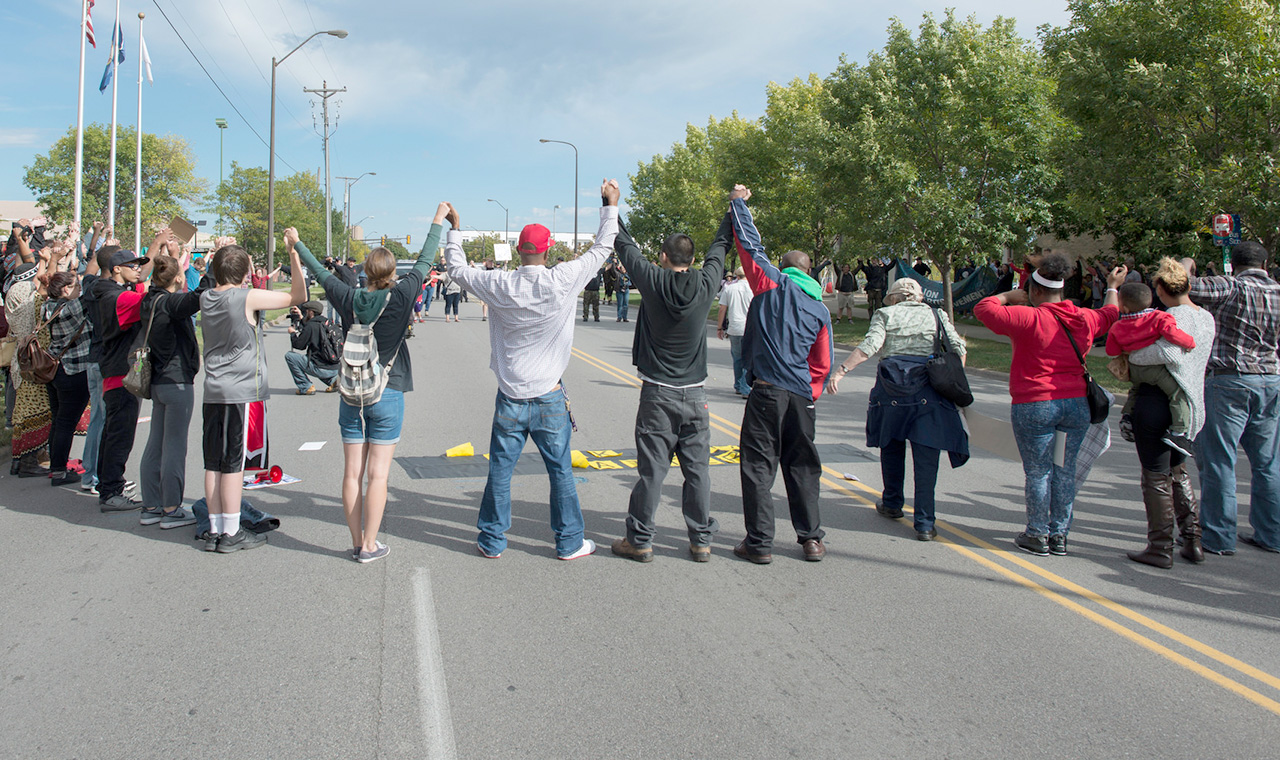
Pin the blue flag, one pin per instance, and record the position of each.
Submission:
(117, 57)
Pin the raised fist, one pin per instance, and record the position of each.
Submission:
(610, 192)
(290, 238)
(740, 191)
(454, 220)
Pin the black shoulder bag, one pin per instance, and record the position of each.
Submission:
(1099, 404)
(946, 371)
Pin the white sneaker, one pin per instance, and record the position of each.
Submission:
(588, 547)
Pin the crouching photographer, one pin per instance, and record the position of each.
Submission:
(320, 342)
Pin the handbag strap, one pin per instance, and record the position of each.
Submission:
(146, 341)
(939, 348)
(52, 317)
(1074, 346)
(73, 340)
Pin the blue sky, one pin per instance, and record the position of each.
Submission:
(444, 101)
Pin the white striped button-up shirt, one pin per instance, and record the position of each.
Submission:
(531, 310)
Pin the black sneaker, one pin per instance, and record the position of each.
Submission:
(210, 540)
(1037, 545)
(1058, 546)
(1180, 443)
(119, 503)
(243, 539)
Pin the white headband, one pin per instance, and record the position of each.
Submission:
(1051, 284)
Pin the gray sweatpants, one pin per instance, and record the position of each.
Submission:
(672, 421)
(164, 462)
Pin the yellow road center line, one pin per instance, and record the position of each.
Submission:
(730, 428)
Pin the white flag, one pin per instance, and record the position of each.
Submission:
(146, 59)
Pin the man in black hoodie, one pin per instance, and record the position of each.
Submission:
(670, 352)
(308, 335)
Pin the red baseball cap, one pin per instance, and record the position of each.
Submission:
(534, 238)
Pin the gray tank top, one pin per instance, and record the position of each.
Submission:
(234, 360)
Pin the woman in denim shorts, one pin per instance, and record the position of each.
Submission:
(370, 433)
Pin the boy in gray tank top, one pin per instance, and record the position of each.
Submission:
(235, 378)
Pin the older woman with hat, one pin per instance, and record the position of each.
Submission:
(904, 406)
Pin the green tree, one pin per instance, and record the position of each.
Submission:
(941, 142)
(169, 184)
(242, 199)
(399, 251)
(1176, 107)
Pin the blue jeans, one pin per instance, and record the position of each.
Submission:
(624, 303)
(1240, 410)
(739, 366)
(1050, 489)
(93, 434)
(301, 365)
(546, 420)
(893, 473)
(426, 299)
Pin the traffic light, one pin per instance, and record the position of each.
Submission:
(384, 240)
(408, 240)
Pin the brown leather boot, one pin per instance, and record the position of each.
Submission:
(1187, 508)
(1157, 497)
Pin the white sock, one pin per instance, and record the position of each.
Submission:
(215, 523)
(231, 523)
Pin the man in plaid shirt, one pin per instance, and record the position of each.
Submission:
(1242, 400)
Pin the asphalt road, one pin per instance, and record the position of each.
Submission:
(122, 641)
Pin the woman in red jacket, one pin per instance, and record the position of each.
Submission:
(1047, 384)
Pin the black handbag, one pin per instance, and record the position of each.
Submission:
(946, 371)
(1099, 403)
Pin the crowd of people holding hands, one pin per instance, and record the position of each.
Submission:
(1200, 353)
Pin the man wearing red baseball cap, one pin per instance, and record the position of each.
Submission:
(531, 313)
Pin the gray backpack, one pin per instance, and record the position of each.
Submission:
(361, 379)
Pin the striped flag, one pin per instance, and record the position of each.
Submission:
(88, 24)
(117, 57)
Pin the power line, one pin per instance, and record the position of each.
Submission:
(332, 70)
(294, 32)
(235, 30)
(247, 123)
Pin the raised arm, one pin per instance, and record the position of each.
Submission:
(646, 272)
(583, 268)
(428, 253)
(713, 264)
(761, 274)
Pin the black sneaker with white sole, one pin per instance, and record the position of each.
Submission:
(243, 539)
(1037, 545)
(119, 503)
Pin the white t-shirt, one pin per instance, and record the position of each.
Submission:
(736, 298)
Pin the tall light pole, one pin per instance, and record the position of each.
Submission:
(553, 223)
(271, 172)
(506, 228)
(222, 127)
(575, 188)
(346, 208)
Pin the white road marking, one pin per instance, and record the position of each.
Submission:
(437, 723)
(312, 446)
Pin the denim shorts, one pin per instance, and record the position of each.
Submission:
(381, 421)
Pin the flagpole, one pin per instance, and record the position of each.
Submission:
(84, 33)
(137, 177)
(117, 41)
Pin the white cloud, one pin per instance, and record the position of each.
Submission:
(18, 137)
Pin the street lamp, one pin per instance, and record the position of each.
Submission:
(221, 124)
(553, 223)
(271, 172)
(575, 188)
(346, 208)
(506, 229)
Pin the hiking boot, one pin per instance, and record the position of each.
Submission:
(119, 503)
(700, 552)
(243, 539)
(624, 548)
(178, 518)
(310, 391)
(1037, 545)
(151, 515)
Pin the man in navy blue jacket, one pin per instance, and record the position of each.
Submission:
(788, 354)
